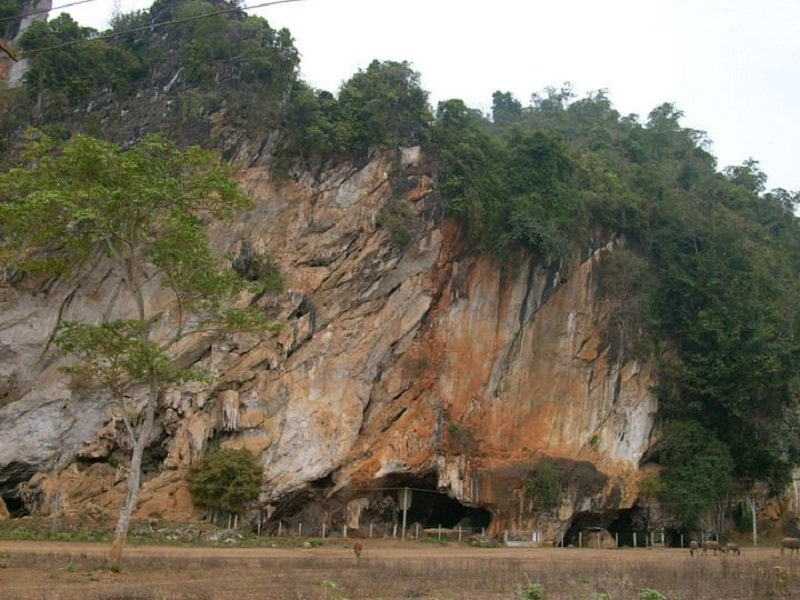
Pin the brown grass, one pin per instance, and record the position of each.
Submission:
(386, 570)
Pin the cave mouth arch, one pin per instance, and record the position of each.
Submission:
(431, 507)
(631, 529)
(15, 506)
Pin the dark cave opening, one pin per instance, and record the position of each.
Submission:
(628, 528)
(583, 524)
(16, 508)
(433, 508)
(319, 513)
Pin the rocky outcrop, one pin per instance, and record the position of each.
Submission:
(423, 365)
(12, 72)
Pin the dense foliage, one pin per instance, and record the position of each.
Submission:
(225, 479)
(223, 55)
(698, 471)
(74, 65)
(381, 107)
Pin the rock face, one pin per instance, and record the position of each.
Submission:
(11, 73)
(420, 365)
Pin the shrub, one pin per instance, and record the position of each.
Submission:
(396, 217)
(543, 486)
(532, 591)
(225, 479)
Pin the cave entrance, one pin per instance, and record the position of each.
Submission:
(628, 528)
(631, 529)
(16, 508)
(432, 508)
(584, 529)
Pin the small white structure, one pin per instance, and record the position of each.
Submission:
(522, 539)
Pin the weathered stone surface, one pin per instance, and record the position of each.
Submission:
(4, 514)
(392, 363)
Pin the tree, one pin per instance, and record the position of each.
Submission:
(698, 471)
(748, 175)
(505, 108)
(225, 479)
(384, 106)
(141, 210)
(74, 64)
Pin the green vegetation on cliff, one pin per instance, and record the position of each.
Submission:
(706, 281)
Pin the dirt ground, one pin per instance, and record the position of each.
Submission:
(387, 569)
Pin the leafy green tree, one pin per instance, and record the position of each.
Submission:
(141, 210)
(748, 175)
(544, 213)
(698, 471)
(315, 131)
(268, 56)
(65, 71)
(74, 64)
(225, 479)
(206, 37)
(729, 298)
(625, 282)
(505, 108)
(512, 195)
(470, 171)
(384, 106)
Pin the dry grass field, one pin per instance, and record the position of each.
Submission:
(388, 570)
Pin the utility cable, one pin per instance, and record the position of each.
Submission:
(150, 27)
(43, 10)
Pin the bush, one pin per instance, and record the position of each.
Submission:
(225, 479)
(543, 486)
(396, 217)
(532, 591)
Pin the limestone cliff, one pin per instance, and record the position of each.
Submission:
(422, 365)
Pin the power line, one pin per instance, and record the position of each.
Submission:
(150, 27)
(43, 10)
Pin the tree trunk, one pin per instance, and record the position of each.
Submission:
(134, 479)
(751, 505)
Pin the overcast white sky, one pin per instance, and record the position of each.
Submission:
(732, 66)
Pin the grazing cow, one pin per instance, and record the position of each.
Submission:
(711, 545)
(357, 548)
(693, 547)
(792, 543)
(733, 548)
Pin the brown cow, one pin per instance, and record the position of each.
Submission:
(711, 545)
(792, 543)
